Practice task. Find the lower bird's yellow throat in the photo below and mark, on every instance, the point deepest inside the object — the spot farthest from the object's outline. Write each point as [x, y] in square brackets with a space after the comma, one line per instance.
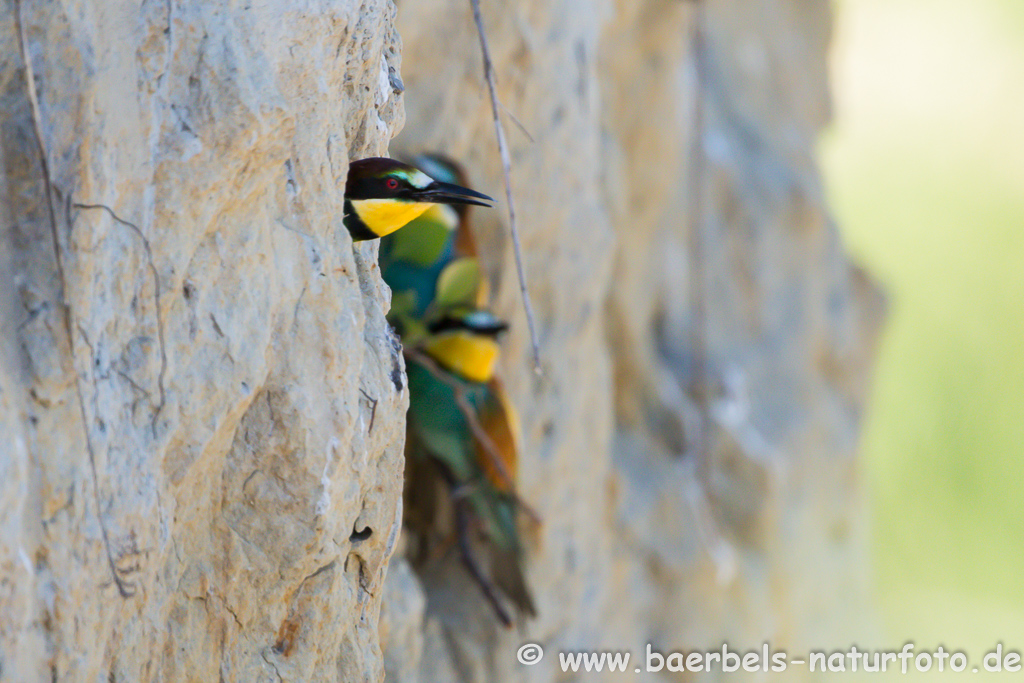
[468, 355]
[384, 216]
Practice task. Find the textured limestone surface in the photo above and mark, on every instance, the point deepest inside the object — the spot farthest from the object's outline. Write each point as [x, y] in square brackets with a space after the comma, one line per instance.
[706, 343]
[201, 405]
[202, 408]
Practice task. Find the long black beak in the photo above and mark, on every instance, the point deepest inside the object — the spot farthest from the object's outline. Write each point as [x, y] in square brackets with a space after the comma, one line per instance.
[447, 193]
[480, 322]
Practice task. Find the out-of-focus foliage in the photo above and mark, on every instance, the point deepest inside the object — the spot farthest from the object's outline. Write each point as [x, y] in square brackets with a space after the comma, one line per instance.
[925, 167]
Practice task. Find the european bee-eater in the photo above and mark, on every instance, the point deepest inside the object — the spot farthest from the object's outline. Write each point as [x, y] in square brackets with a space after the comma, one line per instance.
[446, 170]
[412, 260]
[451, 369]
[383, 195]
[438, 307]
[465, 343]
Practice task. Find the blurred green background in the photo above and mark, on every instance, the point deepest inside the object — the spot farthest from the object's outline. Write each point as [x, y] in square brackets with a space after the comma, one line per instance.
[925, 169]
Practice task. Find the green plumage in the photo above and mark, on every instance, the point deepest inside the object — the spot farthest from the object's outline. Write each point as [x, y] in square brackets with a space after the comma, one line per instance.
[439, 427]
[412, 259]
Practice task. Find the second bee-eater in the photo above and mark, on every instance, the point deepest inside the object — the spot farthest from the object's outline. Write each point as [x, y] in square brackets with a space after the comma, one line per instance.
[452, 369]
[413, 259]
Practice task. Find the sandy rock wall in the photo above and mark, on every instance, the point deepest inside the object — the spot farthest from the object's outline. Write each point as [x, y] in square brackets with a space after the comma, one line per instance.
[202, 481]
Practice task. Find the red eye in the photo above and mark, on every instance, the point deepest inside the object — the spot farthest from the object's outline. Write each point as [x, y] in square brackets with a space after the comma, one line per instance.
[392, 183]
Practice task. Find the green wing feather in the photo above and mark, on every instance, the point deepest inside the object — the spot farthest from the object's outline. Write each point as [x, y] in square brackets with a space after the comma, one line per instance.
[439, 425]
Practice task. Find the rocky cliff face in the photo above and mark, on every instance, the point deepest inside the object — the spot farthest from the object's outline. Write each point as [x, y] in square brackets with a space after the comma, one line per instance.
[202, 408]
[202, 481]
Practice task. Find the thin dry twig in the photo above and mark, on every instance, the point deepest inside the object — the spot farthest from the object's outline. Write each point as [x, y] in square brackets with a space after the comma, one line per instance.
[462, 516]
[699, 342]
[506, 165]
[479, 434]
[519, 124]
[123, 587]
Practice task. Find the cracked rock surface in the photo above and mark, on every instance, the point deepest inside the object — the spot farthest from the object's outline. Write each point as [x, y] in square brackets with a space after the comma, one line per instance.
[202, 482]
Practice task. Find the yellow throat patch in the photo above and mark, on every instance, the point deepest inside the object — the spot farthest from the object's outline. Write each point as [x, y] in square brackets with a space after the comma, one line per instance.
[384, 216]
[467, 355]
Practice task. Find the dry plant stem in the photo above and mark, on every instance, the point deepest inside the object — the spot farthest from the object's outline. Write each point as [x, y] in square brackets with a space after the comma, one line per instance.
[462, 517]
[474, 425]
[519, 124]
[699, 342]
[37, 121]
[506, 165]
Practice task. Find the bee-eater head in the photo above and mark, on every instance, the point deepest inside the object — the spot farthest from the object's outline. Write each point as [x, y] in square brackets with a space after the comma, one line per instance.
[476, 321]
[383, 195]
[440, 167]
[465, 343]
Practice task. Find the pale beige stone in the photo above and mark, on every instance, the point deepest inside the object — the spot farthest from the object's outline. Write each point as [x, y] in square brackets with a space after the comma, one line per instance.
[228, 344]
